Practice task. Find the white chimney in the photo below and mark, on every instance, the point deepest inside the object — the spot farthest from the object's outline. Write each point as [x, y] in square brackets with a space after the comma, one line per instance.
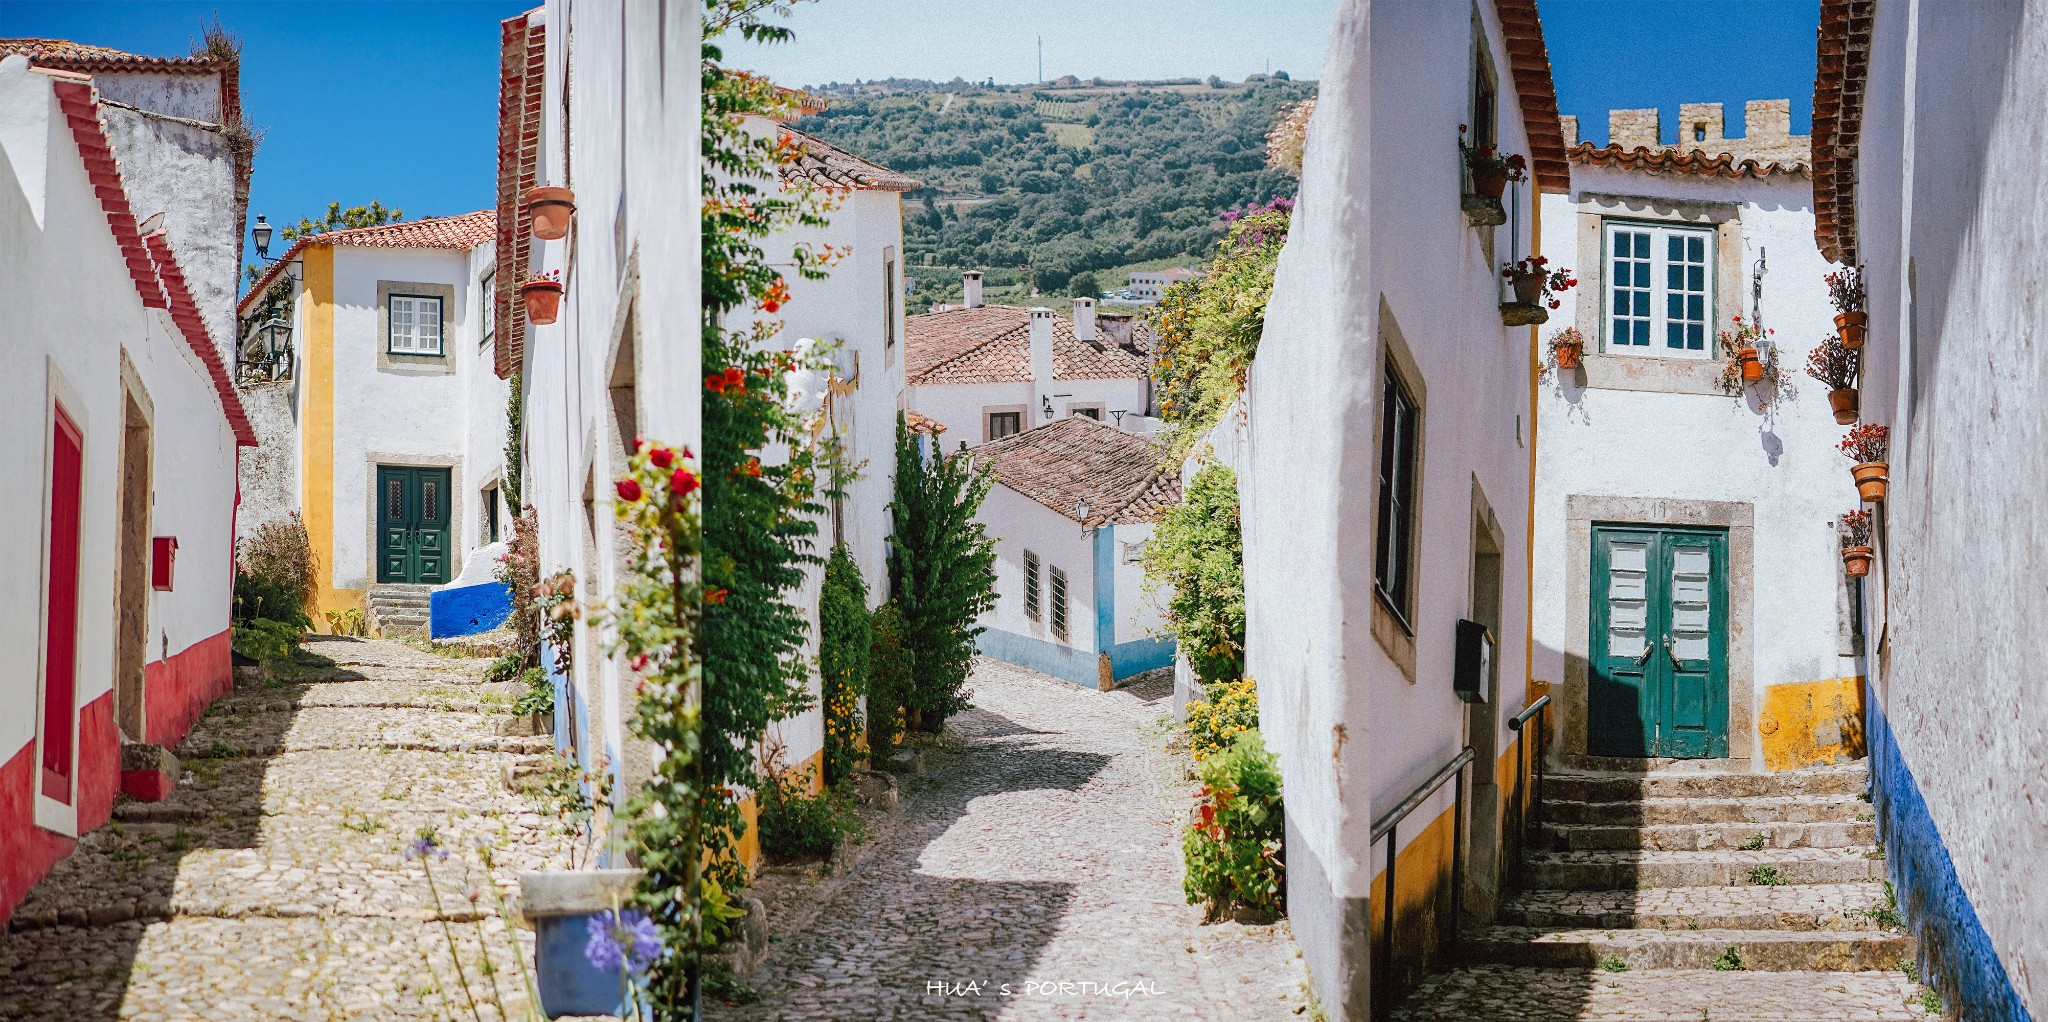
[1084, 318]
[1041, 365]
[970, 288]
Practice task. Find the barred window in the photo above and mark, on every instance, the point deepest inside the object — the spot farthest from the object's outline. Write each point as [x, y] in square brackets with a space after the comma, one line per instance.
[1059, 603]
[1031, 606]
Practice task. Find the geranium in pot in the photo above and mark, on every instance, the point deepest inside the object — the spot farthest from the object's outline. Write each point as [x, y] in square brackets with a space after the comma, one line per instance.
[1845, 289]
[1566, 346]
[543, 298]
[1536, 288]
[1866, 445]
[1856, 552]
[1835, 365]
[1490, 172]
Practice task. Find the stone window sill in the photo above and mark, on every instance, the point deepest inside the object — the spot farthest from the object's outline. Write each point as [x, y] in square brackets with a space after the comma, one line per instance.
[1652, 375]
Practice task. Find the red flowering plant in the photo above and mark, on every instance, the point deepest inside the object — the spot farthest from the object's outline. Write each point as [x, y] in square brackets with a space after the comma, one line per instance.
[1749, 343]
[1866, 443]
[1855, 529]
[1535, 282]
[1485, 161]
[1232, 845]
[1832, 364]
[1845, 289]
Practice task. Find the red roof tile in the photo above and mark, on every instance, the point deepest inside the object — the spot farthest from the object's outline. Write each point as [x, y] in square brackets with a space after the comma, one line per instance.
[822, 163]
[1529, 65]
[451, 232]
[1691, 161]
[522, 77]
[1843, 64]
[992, 344]
[1077, 458]
[921, 424]
[63, 53]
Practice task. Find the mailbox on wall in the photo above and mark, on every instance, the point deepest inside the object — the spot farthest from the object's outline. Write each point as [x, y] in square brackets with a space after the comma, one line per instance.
[1472, 676]
[162, 560]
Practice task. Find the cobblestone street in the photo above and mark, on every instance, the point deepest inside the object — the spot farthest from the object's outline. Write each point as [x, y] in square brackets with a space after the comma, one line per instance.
[271, 884]
[1040, 848]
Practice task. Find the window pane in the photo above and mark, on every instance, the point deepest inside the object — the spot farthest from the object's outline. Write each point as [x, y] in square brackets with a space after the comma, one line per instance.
[1674, 306]
[1643, 274]
[1676, 250]
[1696, 337]
[1642, 303]
[1642, 246]
[1696, 278]
[1696, 308]
[1643, 331]
[1696, 248]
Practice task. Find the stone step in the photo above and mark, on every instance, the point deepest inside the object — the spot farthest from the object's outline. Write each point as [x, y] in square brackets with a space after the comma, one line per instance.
[1619, 786]
[1702, 836]
[1497, 992]
[1760, 809]
[1755, 950]
[1802, 907]
[1621, 869]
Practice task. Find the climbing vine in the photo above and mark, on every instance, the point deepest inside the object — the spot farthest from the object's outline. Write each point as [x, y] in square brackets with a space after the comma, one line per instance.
[844, 637]
[1197, 554]
[1208, 328]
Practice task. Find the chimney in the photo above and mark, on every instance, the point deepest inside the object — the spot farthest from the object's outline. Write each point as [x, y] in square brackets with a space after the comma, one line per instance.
[1568, 126]
[1700, 126]
[970, 289]
[1766, 122]
[1084, 319]
[1115, 326]
[1634, 129]
[1041, 365]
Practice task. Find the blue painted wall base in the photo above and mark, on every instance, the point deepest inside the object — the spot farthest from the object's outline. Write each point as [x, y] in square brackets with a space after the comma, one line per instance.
[1956, 955]
[469, 610]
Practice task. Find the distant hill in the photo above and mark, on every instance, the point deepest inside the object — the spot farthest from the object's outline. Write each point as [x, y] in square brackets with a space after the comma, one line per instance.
[1054, 182]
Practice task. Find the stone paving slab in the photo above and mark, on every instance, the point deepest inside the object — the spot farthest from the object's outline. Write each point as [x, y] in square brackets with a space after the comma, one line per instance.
[1763, 809]
[1503, 994]
[1707, 836]
[1760, 950]
[1611, 786]
[346, 727]
[1800, 907]
[1652, 867]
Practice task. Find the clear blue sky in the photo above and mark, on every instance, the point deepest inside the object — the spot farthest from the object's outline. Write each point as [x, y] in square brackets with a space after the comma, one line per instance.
[398, 101]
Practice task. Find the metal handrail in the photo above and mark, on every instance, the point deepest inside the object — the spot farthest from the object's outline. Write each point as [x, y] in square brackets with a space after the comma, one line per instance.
[1388, 826]
[1532, 800]
[1515, 723]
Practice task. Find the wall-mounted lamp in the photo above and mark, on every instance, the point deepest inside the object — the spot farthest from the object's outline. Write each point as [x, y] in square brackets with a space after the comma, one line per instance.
[262, 232]
[1045, 404]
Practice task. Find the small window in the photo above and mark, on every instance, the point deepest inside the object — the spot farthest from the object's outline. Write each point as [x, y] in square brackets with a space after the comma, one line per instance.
[1091, 411]
[487, 301]
[1134, 553]
[1393, 567]
[1059, 603]
[1485, 88]
[1031, 603]
[490, 503]
[1002, 424]
[415, 325]
[889, 298]
[1660, 295]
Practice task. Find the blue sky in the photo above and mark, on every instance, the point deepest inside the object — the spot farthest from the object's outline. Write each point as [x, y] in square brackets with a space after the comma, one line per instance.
[398, 101]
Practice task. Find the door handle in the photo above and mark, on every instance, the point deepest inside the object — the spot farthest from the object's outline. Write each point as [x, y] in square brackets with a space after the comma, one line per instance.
[1671, 650]
[1644, 658]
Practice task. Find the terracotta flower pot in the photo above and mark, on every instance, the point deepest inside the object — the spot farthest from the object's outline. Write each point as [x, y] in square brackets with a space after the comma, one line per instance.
[550, 208]
[1844, 403]
[1529, 287]
[543, 300]
[1568, 356]
[1752, 367]
[1856, 561]
[1490, 183]
[1870, 480]
[1850, 326]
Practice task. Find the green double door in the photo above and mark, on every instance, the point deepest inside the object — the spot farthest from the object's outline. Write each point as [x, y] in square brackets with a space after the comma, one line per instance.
[412, 524]
[1658, 675]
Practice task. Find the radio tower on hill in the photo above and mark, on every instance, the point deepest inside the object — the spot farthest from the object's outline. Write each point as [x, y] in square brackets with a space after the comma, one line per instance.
[1041, 60]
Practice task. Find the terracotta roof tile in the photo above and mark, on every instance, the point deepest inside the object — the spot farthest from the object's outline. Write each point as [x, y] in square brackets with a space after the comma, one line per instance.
[822, 163]
[450, 232]
[522, 80]
[63, 53]
[923, 424]
[1529, 64]
[1077, 458]
[1838, 83]
[992, 344]
[1664, 160]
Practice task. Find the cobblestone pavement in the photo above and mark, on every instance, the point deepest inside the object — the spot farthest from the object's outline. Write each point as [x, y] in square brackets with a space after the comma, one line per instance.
[271, 885]
[1040, 848]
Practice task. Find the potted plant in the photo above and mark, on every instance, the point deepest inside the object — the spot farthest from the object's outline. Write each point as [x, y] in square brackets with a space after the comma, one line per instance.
[543, 298]
[1747, 358]
[1835, 365]
[1536, 288]
[1856, 551]
[1490, 172]
[1845, 288]
[550, 207]
[1866, 446]
[1566, 346]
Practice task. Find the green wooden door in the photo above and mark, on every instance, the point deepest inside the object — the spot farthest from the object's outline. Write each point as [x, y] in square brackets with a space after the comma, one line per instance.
[412, 524]
[1658, 675]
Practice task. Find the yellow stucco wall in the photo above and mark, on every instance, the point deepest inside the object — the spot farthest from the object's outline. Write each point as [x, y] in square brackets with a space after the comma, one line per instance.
[1422, 893]
[1798, 719]
[748, 848]
[316, 429]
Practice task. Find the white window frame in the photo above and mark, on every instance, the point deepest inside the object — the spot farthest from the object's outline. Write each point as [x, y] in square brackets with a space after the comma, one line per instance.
[1659, 290]
[487, 306]
[411, 341]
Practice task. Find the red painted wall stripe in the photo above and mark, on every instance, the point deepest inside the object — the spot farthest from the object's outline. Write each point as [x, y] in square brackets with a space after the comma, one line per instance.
[177, 690]
[27, 851]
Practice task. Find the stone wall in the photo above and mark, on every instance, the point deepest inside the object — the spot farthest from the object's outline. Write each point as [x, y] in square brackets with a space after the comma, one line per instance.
[270, 470]
[1767, 131]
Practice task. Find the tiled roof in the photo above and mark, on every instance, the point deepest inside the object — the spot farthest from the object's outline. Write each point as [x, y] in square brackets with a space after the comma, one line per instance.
[522, 77]
[992, 344]
[452, 232]
[152, 266]
[1077, 458]
[822, 163]
[1844, 61]
[70, 56]
[1529, 64]
[1691, 161]
[922, 424]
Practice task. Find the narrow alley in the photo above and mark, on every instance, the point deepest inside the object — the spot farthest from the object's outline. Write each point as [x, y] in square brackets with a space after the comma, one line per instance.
[1032, 868]
[276, 876]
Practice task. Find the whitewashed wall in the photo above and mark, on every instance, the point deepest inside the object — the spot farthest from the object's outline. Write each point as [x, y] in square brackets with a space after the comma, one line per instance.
[1019, 523]
[959, 406]
[1138, 616]
[484, 400]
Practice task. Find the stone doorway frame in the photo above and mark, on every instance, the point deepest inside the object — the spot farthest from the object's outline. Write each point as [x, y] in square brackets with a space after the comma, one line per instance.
[1582, 512]
[134, 508]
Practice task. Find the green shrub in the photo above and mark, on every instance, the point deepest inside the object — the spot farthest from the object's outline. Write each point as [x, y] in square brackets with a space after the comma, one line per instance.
[844, 637]
[267, 641]
[539, 696]
[942, 571]
[888, 681]
[505, 668]
[1231, 709]
[1233, 844]
[1730, 960]
[277, 566]
[797, 826]
[1198, 551]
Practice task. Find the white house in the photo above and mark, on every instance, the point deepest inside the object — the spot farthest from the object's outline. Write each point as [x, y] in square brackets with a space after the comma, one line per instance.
[1386, 474]
[399, 419]
[1148, 286]
[985, 372]
[1924, 173]
[621, 361]
[119, 513]
[1073, 503]
[1653, 478]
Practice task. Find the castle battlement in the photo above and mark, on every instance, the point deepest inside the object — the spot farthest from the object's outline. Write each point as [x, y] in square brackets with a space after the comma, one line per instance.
[1767, 135]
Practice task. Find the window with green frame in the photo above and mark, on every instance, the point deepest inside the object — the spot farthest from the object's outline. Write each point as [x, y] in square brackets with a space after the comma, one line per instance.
[1659, 290]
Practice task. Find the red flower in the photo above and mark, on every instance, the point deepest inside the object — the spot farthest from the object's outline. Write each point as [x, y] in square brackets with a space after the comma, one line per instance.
[715, 596]
[629, 490]
[715, 383]
[640, 662]
[753, 467]
[660, 456]
[682, 482]
[637, 442]
[735, 379]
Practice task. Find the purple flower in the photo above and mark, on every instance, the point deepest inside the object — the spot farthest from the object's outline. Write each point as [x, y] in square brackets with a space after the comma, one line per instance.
[625, 940]
[424, 846]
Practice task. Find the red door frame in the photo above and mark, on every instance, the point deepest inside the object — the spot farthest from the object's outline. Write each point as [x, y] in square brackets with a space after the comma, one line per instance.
[60, 649]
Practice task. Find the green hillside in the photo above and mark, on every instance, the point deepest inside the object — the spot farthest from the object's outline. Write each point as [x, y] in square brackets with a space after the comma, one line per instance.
[1051, 183]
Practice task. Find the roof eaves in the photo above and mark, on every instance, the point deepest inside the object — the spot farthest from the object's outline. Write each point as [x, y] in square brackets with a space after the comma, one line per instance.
[1843, 62]
[1529, 62]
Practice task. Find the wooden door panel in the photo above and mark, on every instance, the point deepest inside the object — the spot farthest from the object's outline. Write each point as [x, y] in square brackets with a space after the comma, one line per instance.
[60, 650]
[1657, 682]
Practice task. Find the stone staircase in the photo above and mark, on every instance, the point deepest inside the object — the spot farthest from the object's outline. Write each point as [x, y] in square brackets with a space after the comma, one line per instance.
[1641, 890]
[397, 609]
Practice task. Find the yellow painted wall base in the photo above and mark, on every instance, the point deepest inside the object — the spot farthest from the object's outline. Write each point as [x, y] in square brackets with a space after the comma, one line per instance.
[1422, 902]
[1812, 723]
[748, 848]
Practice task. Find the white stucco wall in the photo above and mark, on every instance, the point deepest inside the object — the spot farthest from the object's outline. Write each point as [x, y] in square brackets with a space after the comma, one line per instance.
[1019, 523]
[1138, 616]
[960, 406]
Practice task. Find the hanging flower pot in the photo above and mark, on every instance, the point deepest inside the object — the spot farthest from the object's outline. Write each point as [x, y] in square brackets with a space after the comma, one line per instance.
[1856, 560]
[543, 298]
[1867, 445]
[1850, 327]
[1752, 366]
[1870, 479]
[1845, 289]
[1843, 401]
[550, 208]
[1536, 285]
[1566, 346]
